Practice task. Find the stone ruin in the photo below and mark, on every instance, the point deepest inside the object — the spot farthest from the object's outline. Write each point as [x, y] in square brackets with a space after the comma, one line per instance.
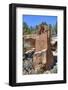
[43, 57]
[40, 43]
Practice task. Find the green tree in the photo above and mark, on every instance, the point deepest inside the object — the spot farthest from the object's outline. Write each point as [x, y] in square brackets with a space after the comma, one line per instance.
[26, 29]
[55, 28]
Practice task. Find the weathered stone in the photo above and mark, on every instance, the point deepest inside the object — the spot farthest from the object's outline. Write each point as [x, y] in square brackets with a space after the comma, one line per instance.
[41, 59]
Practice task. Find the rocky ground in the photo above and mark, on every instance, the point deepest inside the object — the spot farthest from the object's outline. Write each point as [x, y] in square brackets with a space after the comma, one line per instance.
[28, 68]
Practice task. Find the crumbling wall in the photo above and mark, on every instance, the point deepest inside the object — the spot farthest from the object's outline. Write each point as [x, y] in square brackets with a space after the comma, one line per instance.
[41, 42]
[43, 57]
[41, 46]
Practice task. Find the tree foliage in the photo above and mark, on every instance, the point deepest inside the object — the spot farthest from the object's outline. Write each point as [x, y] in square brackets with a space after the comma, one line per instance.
[26, 29]
[33, 30]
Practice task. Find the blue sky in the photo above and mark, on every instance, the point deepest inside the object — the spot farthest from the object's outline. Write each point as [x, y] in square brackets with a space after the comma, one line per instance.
[33, 20]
